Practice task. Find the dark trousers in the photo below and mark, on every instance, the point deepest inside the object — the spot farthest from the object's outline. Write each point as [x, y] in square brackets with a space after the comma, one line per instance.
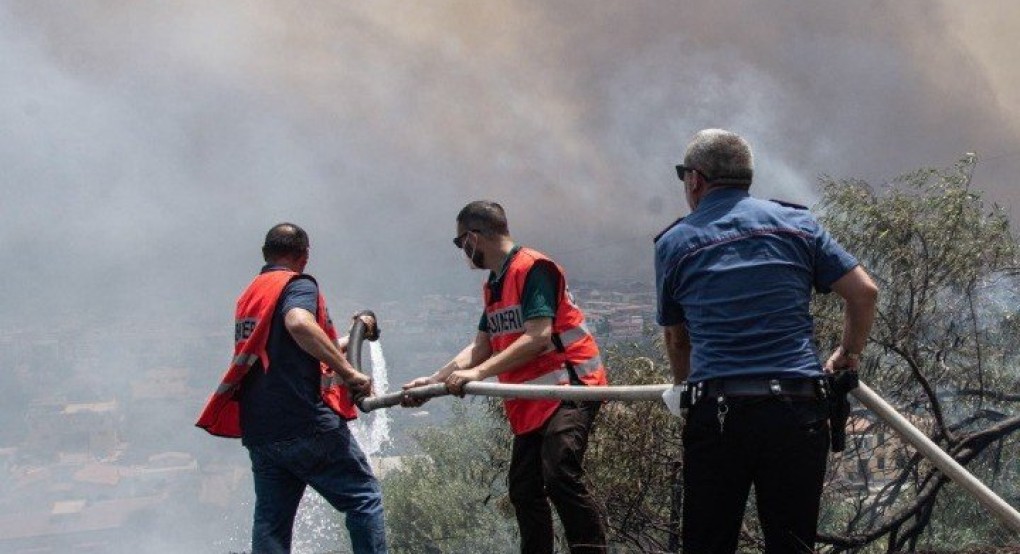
[547, 464]
[333, 464]
[778, 445]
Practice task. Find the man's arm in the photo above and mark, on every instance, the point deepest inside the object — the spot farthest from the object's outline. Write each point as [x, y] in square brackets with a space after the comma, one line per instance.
[536, 340]
[669, 313]
[861, 296]
[472, 355]
[301, 325]
[678, 350]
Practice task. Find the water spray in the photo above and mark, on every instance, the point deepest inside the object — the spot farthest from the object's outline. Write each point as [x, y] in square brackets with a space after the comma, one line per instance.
[373, 436]
[316, 527]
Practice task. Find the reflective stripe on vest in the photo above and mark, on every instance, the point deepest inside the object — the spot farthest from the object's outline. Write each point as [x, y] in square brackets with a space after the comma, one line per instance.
[561, 375]
[329, 380]
[574, 334]
[253, 316]
[245, 359]
[571, 341]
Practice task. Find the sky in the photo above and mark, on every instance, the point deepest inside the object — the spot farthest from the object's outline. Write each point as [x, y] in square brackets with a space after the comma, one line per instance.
[147, 147]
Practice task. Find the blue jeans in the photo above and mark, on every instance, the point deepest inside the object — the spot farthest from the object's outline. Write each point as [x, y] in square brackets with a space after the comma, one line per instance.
[333, 464]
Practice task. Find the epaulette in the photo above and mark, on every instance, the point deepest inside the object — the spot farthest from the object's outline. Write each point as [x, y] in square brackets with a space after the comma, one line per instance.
[788, 204]
[666, 230]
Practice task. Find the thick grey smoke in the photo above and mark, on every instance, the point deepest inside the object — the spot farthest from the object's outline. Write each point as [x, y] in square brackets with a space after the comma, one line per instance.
[147, 147]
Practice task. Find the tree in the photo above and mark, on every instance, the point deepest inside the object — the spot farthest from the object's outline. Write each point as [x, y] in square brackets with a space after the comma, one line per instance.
[633, 459]
[943, 350]
[452, 497]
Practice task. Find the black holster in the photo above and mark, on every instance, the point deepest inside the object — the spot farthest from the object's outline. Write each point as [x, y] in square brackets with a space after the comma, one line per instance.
[839, 385]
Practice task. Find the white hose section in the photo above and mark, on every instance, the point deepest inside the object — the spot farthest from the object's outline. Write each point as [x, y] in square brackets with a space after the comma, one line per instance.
[950, 467]
[532, 392]
[985, 496]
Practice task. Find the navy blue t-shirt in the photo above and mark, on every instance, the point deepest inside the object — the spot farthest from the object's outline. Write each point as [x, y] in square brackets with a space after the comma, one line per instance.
[285, 402]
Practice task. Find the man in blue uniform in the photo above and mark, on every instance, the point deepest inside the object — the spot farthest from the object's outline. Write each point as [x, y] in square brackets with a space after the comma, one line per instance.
[734, 282]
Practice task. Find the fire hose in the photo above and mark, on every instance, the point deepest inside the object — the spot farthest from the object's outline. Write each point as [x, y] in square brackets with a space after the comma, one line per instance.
[533, 392]
[952, 469]
[943, 461]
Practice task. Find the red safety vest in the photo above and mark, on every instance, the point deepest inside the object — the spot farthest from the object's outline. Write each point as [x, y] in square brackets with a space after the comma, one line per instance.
[574, 345]
[253, 318]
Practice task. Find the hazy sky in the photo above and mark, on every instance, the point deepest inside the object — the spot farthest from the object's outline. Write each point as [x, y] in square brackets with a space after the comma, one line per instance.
[147, 147]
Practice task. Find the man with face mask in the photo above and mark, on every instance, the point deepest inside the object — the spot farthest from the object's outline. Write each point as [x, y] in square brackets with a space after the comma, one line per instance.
[531, 332]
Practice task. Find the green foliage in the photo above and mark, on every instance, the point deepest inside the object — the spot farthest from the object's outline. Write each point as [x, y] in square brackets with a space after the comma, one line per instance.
[943, 263]
[943, 349]
[633, 459]
[452, 497]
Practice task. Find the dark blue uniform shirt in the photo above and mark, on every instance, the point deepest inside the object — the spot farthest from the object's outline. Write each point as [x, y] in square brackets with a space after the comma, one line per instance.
[738, 271]
[285, 402]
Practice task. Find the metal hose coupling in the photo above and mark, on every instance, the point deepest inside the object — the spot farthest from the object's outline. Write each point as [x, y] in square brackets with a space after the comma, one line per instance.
[372, 333]
[360, 332]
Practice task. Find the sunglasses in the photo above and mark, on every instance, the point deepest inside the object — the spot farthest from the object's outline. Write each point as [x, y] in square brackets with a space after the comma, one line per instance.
[681, 169]
[458, 241]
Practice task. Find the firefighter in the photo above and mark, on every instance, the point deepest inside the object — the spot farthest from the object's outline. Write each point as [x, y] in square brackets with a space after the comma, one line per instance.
[287, 396]
[532, 332]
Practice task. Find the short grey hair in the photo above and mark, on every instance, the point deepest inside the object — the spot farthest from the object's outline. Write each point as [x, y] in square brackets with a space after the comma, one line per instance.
[723, 156]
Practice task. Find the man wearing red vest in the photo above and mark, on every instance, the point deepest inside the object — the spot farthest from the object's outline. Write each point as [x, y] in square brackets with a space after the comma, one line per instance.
[531, 332]
[286, 396]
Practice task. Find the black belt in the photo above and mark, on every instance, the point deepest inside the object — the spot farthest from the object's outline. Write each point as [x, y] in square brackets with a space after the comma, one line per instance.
[802, 387]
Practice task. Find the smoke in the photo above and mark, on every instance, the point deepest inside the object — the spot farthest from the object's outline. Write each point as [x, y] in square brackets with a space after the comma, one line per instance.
[147, 147]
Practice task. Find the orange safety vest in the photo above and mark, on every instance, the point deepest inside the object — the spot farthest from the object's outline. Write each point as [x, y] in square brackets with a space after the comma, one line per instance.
[574, 347]
[252, 320]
